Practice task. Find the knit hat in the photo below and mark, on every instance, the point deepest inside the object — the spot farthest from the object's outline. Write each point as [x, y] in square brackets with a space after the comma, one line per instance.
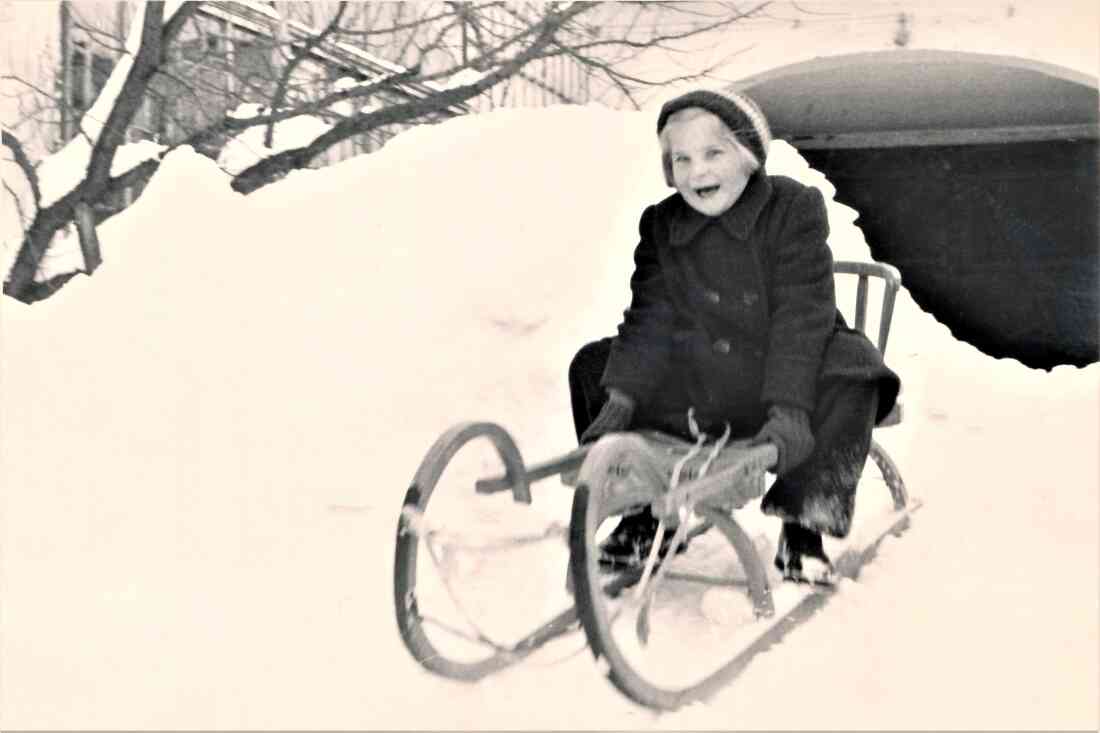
[741, 115]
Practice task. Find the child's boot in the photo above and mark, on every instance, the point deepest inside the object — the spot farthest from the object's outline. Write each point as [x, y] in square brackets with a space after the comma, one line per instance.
[629, 543]
[801, 557]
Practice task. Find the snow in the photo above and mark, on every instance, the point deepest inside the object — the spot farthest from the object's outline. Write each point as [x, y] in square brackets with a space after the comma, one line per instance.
[204, 447]
[248, 148]
[462, 78]
[206, 444]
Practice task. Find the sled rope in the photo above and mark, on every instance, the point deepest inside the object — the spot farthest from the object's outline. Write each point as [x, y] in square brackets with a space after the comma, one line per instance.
[508, 651]
[646, 590]
[719, 444]
[479, 635]
[416, 523]
[439, 543]
[655, 548]
[700, 438]
[476, 637]
[568, 655]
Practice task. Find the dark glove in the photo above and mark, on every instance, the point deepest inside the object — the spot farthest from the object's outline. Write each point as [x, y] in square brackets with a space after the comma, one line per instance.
[615, 415]
[788, 428]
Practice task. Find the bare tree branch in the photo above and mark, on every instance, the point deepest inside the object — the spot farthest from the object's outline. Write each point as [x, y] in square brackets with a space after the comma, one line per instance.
[436, 42]
[269, 168]
[661, 40]
[33, 87]
[310, 44]
[104, 39]
[395, 28]
[24, 164]
[239, 124]
[24, 219]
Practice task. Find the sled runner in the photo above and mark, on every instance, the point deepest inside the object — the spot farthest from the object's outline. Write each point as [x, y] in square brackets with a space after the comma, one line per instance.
[668, 630]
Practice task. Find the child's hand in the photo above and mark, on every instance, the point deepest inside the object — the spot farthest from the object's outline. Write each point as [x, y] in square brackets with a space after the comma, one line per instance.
[614, 416]
[788, 428]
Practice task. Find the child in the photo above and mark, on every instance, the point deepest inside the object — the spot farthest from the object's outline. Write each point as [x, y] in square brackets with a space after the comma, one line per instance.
[733, 314]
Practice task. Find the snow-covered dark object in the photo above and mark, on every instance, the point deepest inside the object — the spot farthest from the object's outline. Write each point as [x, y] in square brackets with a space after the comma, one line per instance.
[975, 175]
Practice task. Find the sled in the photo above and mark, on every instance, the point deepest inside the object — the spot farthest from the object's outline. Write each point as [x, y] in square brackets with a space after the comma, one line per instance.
[667, 631]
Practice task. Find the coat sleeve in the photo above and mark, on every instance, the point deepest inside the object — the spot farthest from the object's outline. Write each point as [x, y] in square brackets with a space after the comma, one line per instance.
[640, 352]
[802, 300]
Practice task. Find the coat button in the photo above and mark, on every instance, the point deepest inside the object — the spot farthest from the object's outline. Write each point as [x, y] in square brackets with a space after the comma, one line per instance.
[712, 296]
[722, 346]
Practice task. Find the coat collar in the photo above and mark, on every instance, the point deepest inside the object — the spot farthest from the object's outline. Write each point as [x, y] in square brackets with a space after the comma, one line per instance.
[738, 220]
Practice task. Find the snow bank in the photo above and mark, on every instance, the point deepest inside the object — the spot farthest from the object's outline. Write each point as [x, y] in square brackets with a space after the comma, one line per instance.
[205, 445]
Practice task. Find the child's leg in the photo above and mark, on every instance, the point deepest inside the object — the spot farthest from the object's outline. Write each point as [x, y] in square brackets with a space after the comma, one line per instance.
[632, 538]
[820, 493]
[585, 392]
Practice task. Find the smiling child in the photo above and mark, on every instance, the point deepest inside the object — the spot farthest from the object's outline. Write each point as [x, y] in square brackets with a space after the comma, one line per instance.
[733, 315]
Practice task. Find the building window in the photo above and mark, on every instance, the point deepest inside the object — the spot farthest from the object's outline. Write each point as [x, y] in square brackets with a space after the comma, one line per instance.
[87, 79]
[77, 98]
[252, 59]
[101, 71]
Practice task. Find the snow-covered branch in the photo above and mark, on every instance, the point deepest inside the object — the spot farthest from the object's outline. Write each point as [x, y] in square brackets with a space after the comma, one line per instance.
[85, 170]
[544, 34]
[262, 99]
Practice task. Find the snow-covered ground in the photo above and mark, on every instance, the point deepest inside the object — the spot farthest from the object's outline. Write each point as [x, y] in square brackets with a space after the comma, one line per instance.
[205, 447]
[203, 450]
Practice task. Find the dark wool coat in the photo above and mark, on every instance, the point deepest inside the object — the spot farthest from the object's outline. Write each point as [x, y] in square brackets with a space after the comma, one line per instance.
[731, 314]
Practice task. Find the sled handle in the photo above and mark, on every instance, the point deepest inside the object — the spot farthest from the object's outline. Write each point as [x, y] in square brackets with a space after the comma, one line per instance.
[566, 462]
[891, 279]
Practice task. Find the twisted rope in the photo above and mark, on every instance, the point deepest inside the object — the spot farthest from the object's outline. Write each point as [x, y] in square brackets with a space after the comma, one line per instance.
[646, 590]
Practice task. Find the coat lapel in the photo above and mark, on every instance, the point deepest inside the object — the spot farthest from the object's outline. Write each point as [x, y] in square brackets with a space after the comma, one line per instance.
[686, 223]
[740, 218]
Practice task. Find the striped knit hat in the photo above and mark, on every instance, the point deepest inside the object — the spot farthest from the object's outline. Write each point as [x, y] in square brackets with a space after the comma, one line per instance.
[741, 115]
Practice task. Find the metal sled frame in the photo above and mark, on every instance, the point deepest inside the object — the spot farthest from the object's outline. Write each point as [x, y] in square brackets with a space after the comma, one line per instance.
[598, 474]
